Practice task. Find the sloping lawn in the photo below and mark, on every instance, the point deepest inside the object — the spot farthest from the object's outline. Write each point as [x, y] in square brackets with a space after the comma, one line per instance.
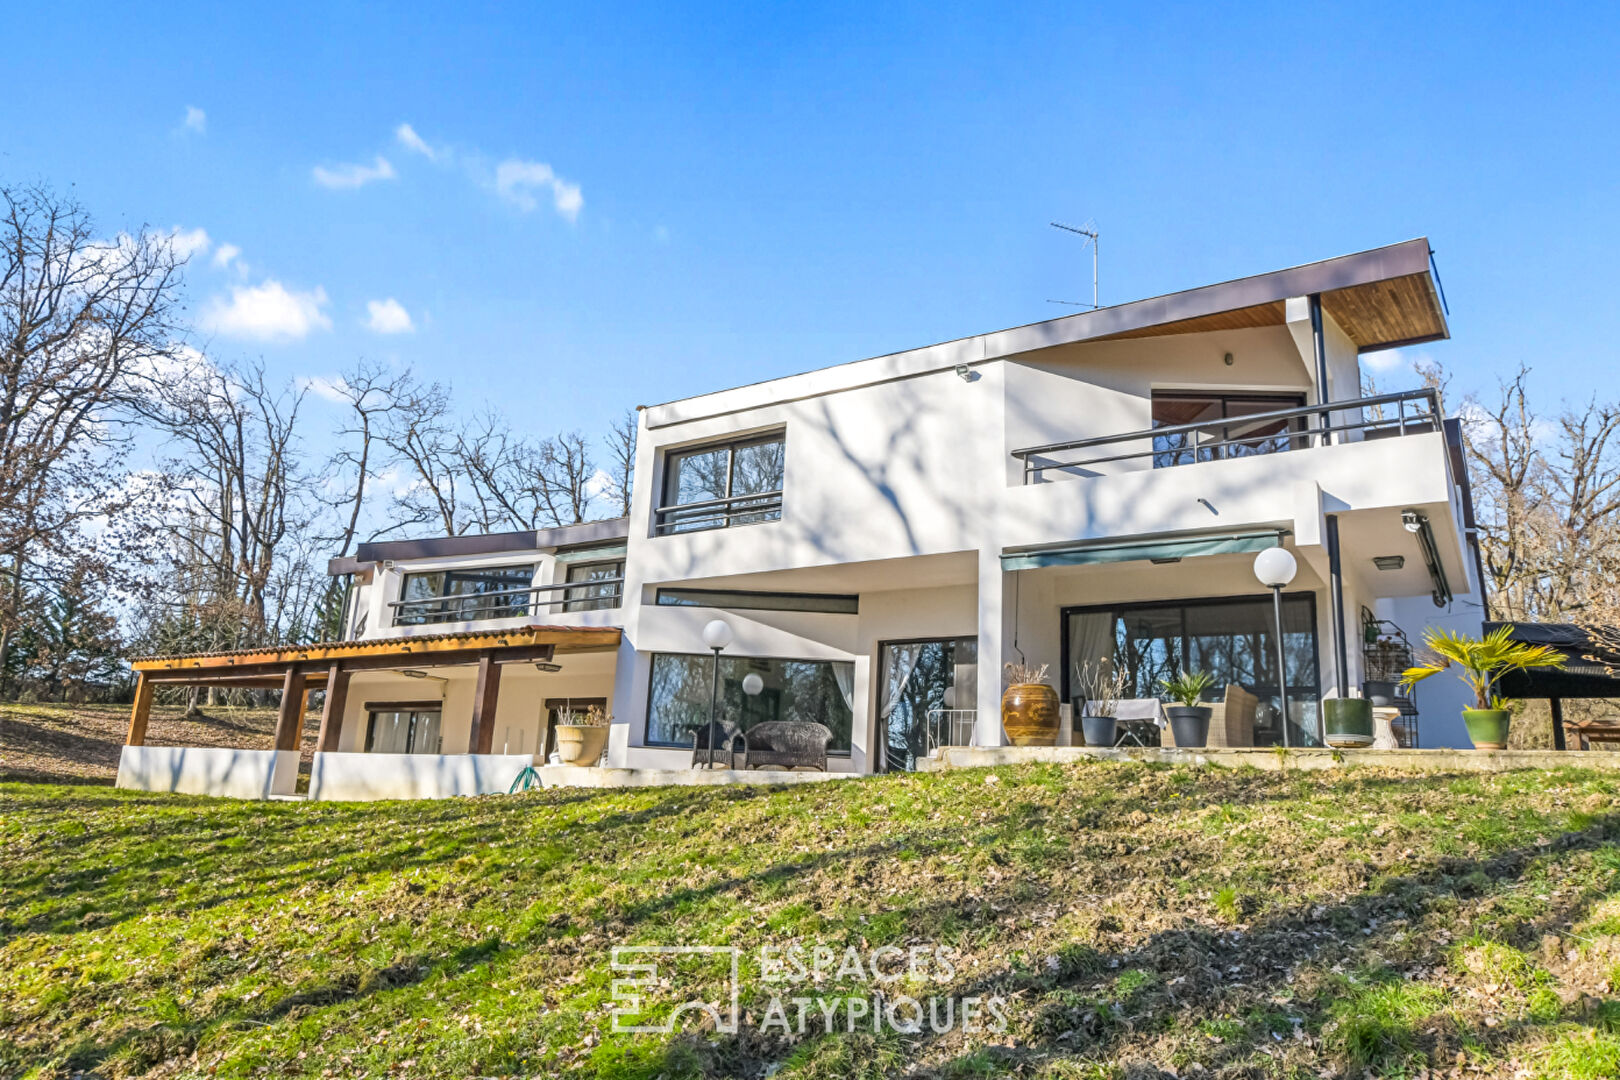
[1133, 920]
[80, 744]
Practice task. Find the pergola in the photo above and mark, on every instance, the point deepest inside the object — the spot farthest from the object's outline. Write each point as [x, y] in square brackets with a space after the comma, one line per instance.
[296, 670]
[1591, 670]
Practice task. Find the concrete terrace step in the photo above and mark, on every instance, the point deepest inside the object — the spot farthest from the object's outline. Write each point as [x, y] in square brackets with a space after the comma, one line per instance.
[1275, 759]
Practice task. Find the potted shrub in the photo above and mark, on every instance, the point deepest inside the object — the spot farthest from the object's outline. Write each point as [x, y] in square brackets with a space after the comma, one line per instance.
[1029, 707]
[1102, 685]
[1189, 720]
[1347, 723]
[582, 736]
[1483, 661]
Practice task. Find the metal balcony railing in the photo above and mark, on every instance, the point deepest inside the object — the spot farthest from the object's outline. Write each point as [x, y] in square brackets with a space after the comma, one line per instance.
[718, 513]
[1382, 416]
[510, 603]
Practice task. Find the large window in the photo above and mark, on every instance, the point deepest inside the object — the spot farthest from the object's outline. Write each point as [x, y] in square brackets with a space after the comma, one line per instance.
[404, 728]
[1234, 640]
[811, 690]
[927, 697]
[712, 487]
[491, 592]
[1223, 431]
[600, 585]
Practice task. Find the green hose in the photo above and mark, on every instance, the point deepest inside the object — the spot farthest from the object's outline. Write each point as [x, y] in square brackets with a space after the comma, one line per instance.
[528, 778]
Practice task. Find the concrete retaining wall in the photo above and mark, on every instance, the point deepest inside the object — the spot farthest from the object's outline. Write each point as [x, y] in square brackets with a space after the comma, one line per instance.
[197, 770]
[364, 777]
[970, 757]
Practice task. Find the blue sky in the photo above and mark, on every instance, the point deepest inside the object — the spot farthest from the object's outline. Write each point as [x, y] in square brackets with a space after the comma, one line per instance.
[620, 205]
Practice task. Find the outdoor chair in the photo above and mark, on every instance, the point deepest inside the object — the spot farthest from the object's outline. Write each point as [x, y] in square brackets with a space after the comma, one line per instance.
[1138, 719]
[726, 752]
[1231, 720]
[787, 743]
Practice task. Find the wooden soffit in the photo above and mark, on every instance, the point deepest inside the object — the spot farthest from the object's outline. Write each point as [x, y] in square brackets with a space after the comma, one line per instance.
[517, 643]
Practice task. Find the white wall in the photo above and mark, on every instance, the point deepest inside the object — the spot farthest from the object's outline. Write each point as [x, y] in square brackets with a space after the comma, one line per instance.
[193, 770]
[364, 777]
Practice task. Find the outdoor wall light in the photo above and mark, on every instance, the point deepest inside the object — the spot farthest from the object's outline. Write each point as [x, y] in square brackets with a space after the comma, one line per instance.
[1411, 520]
[542, 665]
[411, 673]
[753, 684]
[963, 371]
[1275, 567]
[1389, 562]
[1227, 359]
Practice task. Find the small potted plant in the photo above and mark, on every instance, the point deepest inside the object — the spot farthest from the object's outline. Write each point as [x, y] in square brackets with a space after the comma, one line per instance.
[1189, 720]
[1029, 707]
[1483, 661]
[582, 736]
[1102, 685]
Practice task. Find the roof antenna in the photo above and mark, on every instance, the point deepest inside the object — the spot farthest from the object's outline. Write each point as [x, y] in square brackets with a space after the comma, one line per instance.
[1089, 231]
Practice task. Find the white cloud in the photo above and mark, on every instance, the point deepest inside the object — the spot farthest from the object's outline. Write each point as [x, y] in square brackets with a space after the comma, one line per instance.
[268, 312]
[388, 317]
[410, 140]
[1387, 360]
[188, 242]
[343, 177]
[196, 120]
[225, 254]
[517, 181]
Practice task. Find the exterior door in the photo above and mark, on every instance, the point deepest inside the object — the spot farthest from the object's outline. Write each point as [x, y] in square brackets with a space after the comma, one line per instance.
[926, 695]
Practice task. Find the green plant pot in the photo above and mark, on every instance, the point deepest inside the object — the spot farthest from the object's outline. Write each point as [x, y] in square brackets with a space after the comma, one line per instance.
[1348, 722]
[1487, 727]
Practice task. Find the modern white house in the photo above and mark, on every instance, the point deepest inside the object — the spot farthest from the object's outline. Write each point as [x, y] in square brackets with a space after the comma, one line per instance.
[882, 536]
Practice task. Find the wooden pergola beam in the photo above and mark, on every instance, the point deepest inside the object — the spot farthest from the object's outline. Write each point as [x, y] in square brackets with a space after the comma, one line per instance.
[242, 674]
[140, 712]
[290, 720]
[337, 699]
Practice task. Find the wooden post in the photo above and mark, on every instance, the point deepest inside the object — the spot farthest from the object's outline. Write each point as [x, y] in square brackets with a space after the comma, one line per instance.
[337, 699]
[290, 723]
[141, 711]
[486, 692]
[1557, 705]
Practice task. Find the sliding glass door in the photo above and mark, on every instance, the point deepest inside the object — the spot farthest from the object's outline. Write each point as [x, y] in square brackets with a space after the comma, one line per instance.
[1234, 640]
[927, 691]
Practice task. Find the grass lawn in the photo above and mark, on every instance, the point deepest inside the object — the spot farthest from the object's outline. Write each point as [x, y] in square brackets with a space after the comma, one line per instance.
[1134, 919]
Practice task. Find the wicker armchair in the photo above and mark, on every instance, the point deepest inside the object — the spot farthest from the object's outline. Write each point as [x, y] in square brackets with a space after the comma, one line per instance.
[725, 744]
[787, 743]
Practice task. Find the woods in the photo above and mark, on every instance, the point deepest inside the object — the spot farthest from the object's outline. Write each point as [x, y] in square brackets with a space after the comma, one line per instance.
[157, 498]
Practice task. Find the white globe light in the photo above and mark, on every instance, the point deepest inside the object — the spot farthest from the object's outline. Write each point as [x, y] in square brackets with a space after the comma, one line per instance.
[717, 635]
[753, 684]
[1275, 567]
[950, 697]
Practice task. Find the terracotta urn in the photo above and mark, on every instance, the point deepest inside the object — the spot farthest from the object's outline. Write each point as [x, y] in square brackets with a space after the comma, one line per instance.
[1029, 714]
[581, 744]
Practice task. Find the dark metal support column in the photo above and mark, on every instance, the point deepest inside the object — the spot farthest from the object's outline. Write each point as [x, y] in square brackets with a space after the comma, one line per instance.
[1341, 658]
[1319, 342]
[1558, 723]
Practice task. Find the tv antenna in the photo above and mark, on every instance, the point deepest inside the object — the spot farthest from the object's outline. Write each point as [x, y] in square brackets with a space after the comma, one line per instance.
[1089, 231]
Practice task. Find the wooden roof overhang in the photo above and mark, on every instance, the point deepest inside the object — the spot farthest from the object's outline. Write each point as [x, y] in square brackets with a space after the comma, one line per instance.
[267, 667]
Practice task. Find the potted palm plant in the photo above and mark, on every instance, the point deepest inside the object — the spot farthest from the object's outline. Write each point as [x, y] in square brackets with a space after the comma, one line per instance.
[1189, 720]
[1483, 662]
[581, 736]
[1029, 707]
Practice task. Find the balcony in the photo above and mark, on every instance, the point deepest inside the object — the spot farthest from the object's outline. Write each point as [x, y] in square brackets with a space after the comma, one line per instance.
[1362, 419]
[562, 596]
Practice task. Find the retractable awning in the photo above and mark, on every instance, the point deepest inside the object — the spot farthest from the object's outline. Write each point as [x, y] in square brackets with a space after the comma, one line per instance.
[1157, 549]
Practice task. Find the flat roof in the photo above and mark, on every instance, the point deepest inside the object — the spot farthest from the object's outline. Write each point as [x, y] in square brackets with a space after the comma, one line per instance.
[1382, 298]
[441, 547]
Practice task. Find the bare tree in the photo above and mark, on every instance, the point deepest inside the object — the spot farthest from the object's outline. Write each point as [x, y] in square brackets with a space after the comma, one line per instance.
[78, 316]
[621, 447]
[375, 395]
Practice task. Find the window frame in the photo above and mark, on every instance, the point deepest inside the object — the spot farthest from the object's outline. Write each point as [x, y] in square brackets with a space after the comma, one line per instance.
[522, 608]
[1283, 399]
[605, 602]
[647, 710]
[720, 510]
[831, 603]
[411, 708]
